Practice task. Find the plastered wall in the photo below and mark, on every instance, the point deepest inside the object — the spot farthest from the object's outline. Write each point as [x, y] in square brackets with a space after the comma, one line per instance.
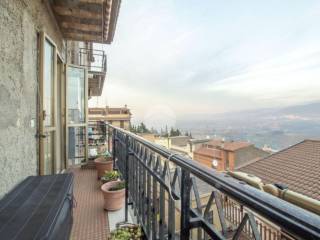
[20, 23]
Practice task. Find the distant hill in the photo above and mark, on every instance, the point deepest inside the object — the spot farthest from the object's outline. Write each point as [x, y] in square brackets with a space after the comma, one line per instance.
[304, 112]
[277, 127]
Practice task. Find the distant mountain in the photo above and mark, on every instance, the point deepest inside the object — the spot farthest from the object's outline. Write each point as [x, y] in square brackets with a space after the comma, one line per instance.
[276, 127]
[301, 112]
[311, 110]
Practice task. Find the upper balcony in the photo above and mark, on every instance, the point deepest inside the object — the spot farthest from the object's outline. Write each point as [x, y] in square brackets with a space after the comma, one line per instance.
[94, 60]
[96, 63]
[86, 20]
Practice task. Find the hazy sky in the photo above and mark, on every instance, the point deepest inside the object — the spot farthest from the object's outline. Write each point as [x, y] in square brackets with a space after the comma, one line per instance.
[209, 56]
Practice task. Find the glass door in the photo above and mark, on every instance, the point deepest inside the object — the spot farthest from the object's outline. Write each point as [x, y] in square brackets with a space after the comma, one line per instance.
[60, 163]
[47, 106]
[76, 115]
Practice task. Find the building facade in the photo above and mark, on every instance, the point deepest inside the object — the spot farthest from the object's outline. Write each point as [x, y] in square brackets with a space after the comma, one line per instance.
[117, 116]
[44, 87]
[224, 156]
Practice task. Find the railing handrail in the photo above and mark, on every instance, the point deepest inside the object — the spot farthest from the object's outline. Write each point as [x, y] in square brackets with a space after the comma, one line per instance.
[102, 66]
[291, 218]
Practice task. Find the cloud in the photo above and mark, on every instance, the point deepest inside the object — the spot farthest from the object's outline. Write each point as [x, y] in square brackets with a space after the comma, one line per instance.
[213, 57]
[292, 78]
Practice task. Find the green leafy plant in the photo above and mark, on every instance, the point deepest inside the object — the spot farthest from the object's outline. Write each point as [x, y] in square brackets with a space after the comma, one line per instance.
[110, 176]
[106, 156]
[118, 186]
[127, 232]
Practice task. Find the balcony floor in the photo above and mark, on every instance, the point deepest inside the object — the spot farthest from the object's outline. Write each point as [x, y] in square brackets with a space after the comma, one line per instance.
[89, 219]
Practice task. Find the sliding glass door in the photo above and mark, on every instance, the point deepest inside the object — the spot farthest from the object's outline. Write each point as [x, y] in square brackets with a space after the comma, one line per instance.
[77, 115]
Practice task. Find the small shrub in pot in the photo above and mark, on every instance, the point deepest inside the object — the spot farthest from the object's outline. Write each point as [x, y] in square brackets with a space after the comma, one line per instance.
[127, 231]
[114, 195]
[110, 176]
[103, 163]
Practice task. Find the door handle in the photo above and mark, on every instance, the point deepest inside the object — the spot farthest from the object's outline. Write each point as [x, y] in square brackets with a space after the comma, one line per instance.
[44, 114]
[44, 135]
[39, 135]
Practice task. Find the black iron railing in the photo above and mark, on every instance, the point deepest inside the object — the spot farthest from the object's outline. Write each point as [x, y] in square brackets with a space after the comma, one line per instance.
[94, 60]
[163, 190]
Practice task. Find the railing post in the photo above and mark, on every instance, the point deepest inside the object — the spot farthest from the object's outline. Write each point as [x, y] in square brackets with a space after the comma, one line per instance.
[114, 147]
[185, 204]
[126, 178]
[109, 138]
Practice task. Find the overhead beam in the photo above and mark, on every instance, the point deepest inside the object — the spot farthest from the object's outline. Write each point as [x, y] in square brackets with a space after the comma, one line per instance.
[92, 1]
[84, 37]
[74, 19]
[78, 31]
[80, 13]
[82, 27]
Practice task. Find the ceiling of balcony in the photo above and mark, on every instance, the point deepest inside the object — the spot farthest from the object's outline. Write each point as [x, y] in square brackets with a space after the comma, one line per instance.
[87, 20]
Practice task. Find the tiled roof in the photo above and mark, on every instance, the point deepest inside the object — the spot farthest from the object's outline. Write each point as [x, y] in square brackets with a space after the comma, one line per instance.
[298, 167]
[210, 152]
[229, 145]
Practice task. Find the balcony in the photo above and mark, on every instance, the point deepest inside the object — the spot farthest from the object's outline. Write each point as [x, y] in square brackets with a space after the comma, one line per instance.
[176, 198]
[96, 63]
[88, 21]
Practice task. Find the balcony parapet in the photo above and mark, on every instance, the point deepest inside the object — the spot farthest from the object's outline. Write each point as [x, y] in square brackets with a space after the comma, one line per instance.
[161, 186]
[95, 60]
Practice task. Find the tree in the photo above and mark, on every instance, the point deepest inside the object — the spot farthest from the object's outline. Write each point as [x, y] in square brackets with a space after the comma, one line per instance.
[141, 128]
[175, 132]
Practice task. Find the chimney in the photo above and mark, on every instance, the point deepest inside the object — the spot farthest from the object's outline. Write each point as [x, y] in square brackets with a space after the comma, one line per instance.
[222, 142]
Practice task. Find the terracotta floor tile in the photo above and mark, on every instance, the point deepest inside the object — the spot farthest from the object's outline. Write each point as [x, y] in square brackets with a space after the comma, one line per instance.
[89, 218]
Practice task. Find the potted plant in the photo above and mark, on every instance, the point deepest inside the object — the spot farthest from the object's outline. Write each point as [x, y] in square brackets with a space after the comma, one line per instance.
[103, 163]
[113, 194]
[110, 176]
[127, 231]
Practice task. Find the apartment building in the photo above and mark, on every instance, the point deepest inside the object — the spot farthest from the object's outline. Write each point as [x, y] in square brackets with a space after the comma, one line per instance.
[117, 116]
[227, 155]
[47, 75]
[46, 79]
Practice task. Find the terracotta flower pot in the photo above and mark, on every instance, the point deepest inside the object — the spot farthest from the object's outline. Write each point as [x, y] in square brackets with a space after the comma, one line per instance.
[102, 165]
[113, 200]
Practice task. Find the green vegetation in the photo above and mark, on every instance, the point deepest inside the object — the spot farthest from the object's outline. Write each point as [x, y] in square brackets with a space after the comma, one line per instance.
[110, 176]
[119, 186]
[127, 232]
[107, 154]
[141, 128]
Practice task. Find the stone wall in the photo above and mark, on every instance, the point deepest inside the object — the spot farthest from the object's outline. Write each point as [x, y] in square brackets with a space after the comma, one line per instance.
[20, 23]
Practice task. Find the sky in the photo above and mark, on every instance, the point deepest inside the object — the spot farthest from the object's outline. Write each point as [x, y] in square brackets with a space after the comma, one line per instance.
[170, 58]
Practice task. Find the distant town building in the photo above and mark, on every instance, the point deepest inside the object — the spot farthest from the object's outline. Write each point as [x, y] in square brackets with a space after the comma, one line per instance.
[148, 136]
[183, 145]
[117, 116]
[297, 167]
[227, 155]
[179, 140]
[176, 141]
[194, 144]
